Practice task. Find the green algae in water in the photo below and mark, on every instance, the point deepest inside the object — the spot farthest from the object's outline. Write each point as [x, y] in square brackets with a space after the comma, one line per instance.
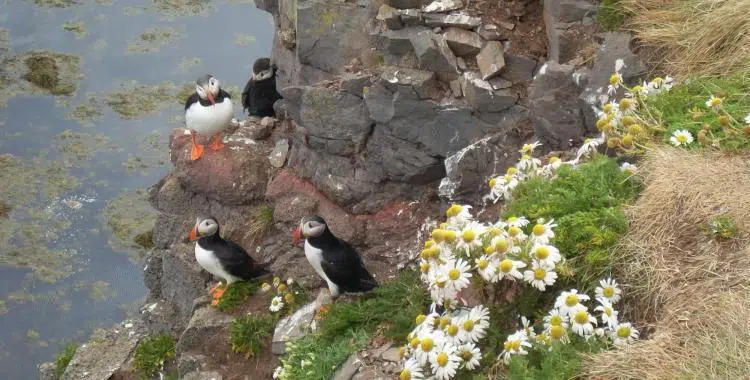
[243, 39]
[77, 148]
[55, 3]
[129, 216]
[3, 308]
[173, 8]
[87, 113]
[77, 28]
[101, 291]
[100, 44]
[151, 151]
[134, 101]
[39, 72]
[32, 336]
[153, 39]
[188, 63]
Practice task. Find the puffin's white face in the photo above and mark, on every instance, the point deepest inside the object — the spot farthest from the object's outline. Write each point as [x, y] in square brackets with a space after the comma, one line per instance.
[208, 88]
[204, 227]
[312, 228]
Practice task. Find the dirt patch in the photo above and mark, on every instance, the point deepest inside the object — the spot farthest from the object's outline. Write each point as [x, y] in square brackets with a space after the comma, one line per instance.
[519, 21]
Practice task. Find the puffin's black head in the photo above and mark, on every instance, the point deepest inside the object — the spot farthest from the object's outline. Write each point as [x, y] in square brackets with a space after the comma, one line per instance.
[310, 226]
[262, 69]
[204, 226]
[207, 87]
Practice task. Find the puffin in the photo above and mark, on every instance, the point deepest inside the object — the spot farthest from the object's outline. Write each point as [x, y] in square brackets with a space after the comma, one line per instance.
[260, 92]
[222, 258]
[335, 261]
[208, 111]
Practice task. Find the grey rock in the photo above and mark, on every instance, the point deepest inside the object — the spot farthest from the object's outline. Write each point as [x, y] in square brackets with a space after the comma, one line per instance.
[212, 375]
[518, 69]
[424, 83]
[188, 363]
[258, 131]
[498, 83]
[390, 16]
[437, 30]
[570, 10]
[347, 370]
[433, 53]
[206, 323]
[481, 96]
[372, 374]
[461, 62]
[405, 4]
[183, 280]
[397, 160]
[106, 353]
[463, 42]
[411, 17]
[398, 42]
[152, 272]
[443, 6]
[354, 83]
[279, 154]
[459, 20]
[267, 122]
[297, 325]
[491, 59]
[553, 99]
[615, 47]
[160, 316]
[391, 355]
[456, 88]
[379, 101]
[507, 25]
[47, 371]
[489, 32]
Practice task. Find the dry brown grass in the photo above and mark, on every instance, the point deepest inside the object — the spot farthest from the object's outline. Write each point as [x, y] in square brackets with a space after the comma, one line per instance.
[694, 37]
[685, 288]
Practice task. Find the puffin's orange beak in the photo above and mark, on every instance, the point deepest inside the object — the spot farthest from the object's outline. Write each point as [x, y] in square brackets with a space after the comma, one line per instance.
[194, 234]
[297, 235]
[210, 97]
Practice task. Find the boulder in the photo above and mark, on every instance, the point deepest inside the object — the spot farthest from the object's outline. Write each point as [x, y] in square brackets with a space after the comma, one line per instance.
[433, 53]
[462, 41]
[396, 160]
[354, 83]
[390, 16]
[161, 316]
[614, 53]
[570, 11]
[498, 83]
[490, 32]
[105, 353]
[491, 59]
[405, 4]
[438, 6]
[348, 369]
[297, 325]
[278, 155]
[47, 371]
[553, 98]
[379, 102]
[411, 17]
[518, 68]
[458, 20]
[206, 324]
[182, 280]
[456, 88]
[480, 95]
[189, 363]
[423, 83]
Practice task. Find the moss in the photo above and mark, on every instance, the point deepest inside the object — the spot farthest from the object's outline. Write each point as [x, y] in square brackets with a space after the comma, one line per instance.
[77, 28]
[152, 353]
[39, 72]
[42, 72]
[145, 239]
[63, 358]
[248, 334]
[611, 16]
[235, 294]
[243, 39]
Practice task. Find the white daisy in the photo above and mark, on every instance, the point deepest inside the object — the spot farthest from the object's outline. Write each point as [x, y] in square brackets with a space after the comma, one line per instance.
[629, 168]
[614, 83]
[555, 318]
[542, 232]
[747, 119]
[569, 301]
[520, 221]
[473, 326]
[581, 322]
[589, 147]
[681, 137]
[439, 288]
[470, 355]
[453, 331]
[527, 328]
[412, 370]
[427, 343]
[458, 215]
[458, 273]
[714, 103]
[558, 333]
[545, 253]
[624, 333]
[510, 269]
[529, 148]
[609, 290]
[487, 267]
[470, 237]
[540, 275]
[609, 314]
[444, 361]
[502, 187]
[504, 244]
[425, 323]
[278, 372]
[515, 344]
[527, 163]
[276, 304]
[552, 166]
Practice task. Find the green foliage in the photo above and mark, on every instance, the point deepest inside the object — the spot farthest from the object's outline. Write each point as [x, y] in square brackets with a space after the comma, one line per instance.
[63, 359]
[347, 327]
[722, 227]
[561, 363]
[249, 333]
[684, 107]
[151, 354]
[611, 16]
[236, 293]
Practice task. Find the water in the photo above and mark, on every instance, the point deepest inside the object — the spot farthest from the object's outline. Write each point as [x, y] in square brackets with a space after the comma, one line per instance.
[71, 179]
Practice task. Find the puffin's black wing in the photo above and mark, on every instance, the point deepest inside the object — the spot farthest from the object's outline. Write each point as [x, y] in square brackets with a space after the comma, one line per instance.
[192, 99]
[246, 95]
[343, 265]
[237, 261]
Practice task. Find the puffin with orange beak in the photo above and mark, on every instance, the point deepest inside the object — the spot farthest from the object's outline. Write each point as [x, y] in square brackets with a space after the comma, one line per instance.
[222, 258]
[335, 261]
[208, 111]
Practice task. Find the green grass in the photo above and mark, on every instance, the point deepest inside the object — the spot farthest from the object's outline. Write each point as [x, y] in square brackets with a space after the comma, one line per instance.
[235, 294]
[63, 358]
[562, 363]
[610, 15]
[722, 227]
[348, 327]
[151, 354]
[250, 333]
[684, 107]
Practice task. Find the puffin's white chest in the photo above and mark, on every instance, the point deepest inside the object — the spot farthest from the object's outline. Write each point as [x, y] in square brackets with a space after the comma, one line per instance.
[211, 119]
[209, 262]
[315, 257]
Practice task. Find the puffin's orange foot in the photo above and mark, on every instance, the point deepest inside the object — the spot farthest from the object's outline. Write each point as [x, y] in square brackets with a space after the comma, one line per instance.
[216, 294]
[196, 152]
[321, 312]
[217, 145]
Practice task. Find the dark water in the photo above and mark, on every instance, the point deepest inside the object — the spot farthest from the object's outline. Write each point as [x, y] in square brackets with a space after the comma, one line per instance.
[63, 272]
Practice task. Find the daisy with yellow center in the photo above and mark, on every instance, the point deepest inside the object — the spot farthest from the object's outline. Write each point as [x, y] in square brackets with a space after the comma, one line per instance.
[458, 215]
[412, 371]
[513, 221]
[540, 275]
[487, 267]
[569, 301]
[589, 147]
[681, 137]
[458, 273]
[444, 361]
[502, 187]
[553, 164]
[439, 287]
[528, 164]
[527, 328]
[427, 342]
[546, 253]
[608, 313]
[542, 232]
[453, 333]
[558, 333]
[615, 80]
[504, 244]
[515, 344]
[470, 237]
[529, 148]
[628, 168]
[470, 355]
[276, 304]
[609, 290]
[582, 322]
[714, 103]
[473, 327]
[510, 269]
[555, 318]
[624, 333]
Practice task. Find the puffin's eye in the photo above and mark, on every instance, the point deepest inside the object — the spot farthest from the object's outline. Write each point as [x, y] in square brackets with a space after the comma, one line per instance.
[213, 82]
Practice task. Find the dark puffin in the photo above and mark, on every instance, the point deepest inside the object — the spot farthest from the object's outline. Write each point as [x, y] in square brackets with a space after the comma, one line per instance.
[222, 258]
[208, 112]
[337, 262]
[260, 92]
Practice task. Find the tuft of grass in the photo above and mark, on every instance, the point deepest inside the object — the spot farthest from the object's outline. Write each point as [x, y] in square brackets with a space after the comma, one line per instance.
[151, 354]
[250, 333]
[611, 15]
[347, 327]
[722, 227]
[694, 37]
[262, 221]
[63, 358]
[235, 294]
[563, 362]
